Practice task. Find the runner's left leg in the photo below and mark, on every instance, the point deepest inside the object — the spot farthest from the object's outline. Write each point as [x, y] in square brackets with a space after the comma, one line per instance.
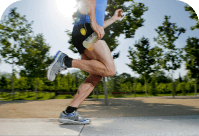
[85, 88]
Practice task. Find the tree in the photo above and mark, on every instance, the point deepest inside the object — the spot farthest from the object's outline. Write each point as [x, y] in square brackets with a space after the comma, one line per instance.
[166, 38]
[21, 84]
[185, 78]
[191, 58]
[181, 87]
[139, 87]
[142, 60]
[180, 79]
[130, 23]
[35, 58]
[161, 77]
[189, 86]
[12, 29]
[153, 90]
[3, 82]
[192, 16]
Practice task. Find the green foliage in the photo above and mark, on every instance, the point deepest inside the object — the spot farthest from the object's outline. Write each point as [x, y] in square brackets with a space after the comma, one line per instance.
[189, 86]
[192, 16]
[3, 82]
[181, 87]
[37, 82]
[143, 60]
[22, 84]
[191, 56]
[67, 83]
[180, 78]
[167, 35]
[170, 87]
[12, 30]
[35, 57]
[116, 83]
[9, 86]
[21, 48]
[152, 89]
[139, 88]
[126, 87]
[162, 88]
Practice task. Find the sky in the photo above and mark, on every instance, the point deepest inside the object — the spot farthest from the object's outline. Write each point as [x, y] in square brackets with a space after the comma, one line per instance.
[53, 17]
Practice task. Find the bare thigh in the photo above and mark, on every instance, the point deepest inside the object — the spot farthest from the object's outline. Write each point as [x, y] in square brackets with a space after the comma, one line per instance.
[102, 53]
[93, 79]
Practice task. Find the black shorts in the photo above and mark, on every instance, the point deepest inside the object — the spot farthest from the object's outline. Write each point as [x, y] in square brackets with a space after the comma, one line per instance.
[79, 34]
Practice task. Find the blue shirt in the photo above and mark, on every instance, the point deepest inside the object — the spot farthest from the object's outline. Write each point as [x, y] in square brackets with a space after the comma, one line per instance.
[99, 12]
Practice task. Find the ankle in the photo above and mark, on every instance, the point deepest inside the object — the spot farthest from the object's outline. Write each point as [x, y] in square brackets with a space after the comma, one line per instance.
[68, 61]
[70, 109]
[74, 63]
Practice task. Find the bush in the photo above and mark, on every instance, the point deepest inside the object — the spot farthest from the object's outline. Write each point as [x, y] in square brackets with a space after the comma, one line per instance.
[139, 88]
[181, 88]
[189, 86]
[152, 87]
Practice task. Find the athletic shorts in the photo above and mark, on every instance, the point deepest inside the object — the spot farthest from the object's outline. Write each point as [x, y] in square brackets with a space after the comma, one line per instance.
[79, 34]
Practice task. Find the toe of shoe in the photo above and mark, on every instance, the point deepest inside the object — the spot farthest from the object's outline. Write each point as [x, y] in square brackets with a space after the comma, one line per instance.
[88, 121]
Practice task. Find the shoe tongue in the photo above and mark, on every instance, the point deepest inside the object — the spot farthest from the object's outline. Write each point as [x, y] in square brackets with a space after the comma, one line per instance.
[64, 112]
[63, 66]
[68, 113]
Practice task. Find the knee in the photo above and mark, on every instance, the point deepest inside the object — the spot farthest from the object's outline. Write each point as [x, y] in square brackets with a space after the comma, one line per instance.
[113, 73]
[110, 72]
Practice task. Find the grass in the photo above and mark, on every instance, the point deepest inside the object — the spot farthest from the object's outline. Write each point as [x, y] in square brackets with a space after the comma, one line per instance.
[48, 95]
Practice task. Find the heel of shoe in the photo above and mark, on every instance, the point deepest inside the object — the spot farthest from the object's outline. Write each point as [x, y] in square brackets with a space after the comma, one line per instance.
[57, 54]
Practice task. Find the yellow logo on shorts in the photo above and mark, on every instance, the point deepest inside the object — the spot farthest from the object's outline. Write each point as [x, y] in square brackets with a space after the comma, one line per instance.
[83, 31]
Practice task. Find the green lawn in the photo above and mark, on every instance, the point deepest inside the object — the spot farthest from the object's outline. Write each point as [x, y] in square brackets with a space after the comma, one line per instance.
[48, 95]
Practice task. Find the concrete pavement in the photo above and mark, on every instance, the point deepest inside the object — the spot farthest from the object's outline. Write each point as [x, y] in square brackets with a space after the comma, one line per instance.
[127, 126]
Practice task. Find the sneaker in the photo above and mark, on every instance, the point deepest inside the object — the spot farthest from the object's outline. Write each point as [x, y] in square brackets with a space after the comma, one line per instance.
[73, 117]
[56, 67]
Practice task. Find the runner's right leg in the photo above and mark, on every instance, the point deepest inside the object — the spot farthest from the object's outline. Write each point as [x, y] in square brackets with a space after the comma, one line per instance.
[101, 62]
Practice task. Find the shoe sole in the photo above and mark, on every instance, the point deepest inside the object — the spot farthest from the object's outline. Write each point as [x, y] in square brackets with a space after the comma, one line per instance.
[51, 65]
[72, 121]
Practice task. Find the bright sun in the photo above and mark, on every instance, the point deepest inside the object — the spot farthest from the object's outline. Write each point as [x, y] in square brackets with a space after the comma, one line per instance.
[66, 7]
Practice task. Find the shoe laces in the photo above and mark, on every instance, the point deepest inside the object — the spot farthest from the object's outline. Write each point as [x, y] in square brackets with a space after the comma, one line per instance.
[60, 69]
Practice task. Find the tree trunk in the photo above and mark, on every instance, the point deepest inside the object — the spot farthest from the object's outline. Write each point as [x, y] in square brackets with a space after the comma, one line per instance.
[97, 91]
[196, 87]
[105, 91]
[173, 86]
[94, 93]
[135, 85]
[12, 81]
[36, 91]
[145, 85]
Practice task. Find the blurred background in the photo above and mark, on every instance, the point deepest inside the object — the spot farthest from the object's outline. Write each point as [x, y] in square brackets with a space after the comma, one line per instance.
[155, 47]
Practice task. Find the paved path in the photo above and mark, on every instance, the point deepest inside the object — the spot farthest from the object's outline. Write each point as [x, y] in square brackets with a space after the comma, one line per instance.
[123, 126]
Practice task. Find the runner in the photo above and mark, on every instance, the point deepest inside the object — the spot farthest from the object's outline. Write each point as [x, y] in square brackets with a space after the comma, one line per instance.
[98, 62]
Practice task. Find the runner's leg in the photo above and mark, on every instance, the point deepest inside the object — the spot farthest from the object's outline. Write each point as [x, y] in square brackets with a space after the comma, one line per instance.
[101, 62]
[85, 88]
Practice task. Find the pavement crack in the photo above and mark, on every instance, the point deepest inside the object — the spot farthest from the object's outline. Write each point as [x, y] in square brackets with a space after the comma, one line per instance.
[81, 130]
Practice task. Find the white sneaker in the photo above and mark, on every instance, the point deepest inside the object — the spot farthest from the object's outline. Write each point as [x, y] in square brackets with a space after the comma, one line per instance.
[56, 67]
[73, 117]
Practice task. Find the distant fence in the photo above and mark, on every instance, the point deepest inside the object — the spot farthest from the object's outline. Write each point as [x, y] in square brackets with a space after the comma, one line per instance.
[55, 91]
[121, 93]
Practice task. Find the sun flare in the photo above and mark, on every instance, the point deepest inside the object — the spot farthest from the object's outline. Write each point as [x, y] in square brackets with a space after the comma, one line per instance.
[66, 7]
